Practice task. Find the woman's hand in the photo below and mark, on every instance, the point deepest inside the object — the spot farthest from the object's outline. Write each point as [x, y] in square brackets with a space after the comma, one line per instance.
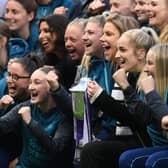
[25, 112]
[92, 88]
[120, 78]
[52, 79]
[147, 84]
[164, 123]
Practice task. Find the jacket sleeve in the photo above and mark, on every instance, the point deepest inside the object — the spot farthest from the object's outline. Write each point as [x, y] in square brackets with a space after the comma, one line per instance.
[138, 108]
[64, 99]
[10, 121]
[133, 112]
[60, 142]
[159, 108]
[113, 108]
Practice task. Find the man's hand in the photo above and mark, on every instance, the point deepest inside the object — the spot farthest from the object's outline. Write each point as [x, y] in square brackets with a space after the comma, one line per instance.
[5, 101]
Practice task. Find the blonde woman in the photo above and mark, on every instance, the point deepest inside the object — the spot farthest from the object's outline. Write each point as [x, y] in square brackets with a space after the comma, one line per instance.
[158, 13]
[154, 87]
[132, 47]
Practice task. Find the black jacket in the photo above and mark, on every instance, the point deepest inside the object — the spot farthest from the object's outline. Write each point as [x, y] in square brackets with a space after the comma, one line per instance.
[121, 113]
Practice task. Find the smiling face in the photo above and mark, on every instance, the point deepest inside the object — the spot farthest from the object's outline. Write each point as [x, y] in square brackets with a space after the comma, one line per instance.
[91, 38]
[123, 7]
[17, 88]
[17, 17]
[39, 88]
[127, 55]
[141, 10]
[158, 13]
[150, 65]
[47, 38]
[73, 41]
[109, 40]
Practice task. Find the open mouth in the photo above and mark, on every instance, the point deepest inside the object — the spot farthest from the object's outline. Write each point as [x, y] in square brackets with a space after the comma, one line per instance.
[34, 95]
[71, 51]
[11, 90]
[106, 47]
[87, 44]
[45, 44]
[151, 15]
[120, 61]
[140, 14]
[12, 25]
[107, 50]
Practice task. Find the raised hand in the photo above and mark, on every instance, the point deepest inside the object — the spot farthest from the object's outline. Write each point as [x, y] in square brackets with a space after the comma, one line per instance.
[60, 10]
[92, 88]
[25, 112]
[164, 123]
[96, 6]
[5, 101]
[147, 84]
[52, 79]
[120, 78]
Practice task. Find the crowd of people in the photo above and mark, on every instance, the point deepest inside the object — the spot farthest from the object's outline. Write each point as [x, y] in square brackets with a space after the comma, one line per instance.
[114, 53]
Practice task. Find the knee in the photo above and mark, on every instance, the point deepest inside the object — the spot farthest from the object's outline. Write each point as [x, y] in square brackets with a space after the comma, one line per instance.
[157, 160]
[132, 158]
[125, 159]
[86, 150]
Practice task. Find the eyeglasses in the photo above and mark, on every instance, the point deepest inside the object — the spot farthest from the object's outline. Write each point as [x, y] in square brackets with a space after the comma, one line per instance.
[16, 77]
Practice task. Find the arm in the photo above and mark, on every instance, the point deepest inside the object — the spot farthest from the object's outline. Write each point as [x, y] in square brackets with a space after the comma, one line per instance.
[62, 139]
[60, 95]
[10, 121]
[63, 98]
[137, 108]
[159, 108]
[154, 100]
[53, 144]
[122, 112]
[5, 101]
[112, 107]
[101, 100]
[155, 108]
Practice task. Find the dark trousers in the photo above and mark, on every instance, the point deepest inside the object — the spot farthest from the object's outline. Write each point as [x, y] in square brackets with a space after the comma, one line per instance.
[105, 154]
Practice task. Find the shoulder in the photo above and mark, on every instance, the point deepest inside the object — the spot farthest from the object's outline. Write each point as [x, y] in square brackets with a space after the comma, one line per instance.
[17, 47]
